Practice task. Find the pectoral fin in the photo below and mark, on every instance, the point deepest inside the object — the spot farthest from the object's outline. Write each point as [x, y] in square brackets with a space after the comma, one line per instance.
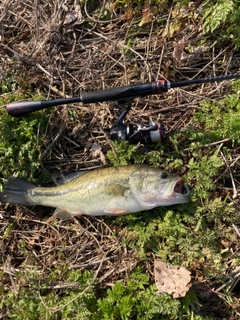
[116, 190]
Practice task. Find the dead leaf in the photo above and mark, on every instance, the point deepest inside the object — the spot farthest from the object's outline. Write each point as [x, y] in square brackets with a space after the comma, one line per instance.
[178, 50]
[174, 280]
[69, 18]
[97, 152]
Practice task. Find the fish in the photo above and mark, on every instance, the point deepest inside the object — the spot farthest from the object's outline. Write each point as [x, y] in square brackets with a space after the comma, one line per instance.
[110, 191]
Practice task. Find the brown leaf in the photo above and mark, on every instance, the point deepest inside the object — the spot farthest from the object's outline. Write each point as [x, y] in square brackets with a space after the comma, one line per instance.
[178, 50]
[97, 153]
[174, 280]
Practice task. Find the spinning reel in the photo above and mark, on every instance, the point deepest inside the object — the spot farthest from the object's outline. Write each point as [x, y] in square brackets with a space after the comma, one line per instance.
[135, 132]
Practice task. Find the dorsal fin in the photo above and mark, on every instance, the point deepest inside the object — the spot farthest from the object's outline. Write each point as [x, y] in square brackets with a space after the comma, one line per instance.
[62, 178]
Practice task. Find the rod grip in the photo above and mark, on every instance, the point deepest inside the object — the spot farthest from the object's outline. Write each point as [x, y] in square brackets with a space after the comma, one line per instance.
[124, 92]
[20, 108]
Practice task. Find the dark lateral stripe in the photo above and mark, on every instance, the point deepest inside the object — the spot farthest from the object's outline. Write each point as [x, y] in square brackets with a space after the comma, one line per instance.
[46, 193]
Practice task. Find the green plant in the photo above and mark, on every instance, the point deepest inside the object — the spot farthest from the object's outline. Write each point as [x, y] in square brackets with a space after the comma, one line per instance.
[35, 297]
[125, 153]
[21, 141]
[20, 147]
[216, 14]
[202, 171]
[132, 299]
[220, 119]
[8, 84]
[137, 300]
[181, 3]
[223, 16]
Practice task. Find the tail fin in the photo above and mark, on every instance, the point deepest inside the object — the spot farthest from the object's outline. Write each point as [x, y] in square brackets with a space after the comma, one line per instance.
[15, 191]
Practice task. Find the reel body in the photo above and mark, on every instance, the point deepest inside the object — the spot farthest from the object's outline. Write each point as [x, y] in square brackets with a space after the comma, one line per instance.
[136, 132]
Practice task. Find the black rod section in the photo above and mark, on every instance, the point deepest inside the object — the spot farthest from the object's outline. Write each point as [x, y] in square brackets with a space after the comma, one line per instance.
[203, 80]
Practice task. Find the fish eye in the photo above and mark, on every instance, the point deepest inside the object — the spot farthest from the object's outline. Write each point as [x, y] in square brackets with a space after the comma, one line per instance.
[164, 175]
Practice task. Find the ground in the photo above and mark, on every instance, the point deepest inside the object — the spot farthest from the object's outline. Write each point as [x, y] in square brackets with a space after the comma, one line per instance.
[60, 49]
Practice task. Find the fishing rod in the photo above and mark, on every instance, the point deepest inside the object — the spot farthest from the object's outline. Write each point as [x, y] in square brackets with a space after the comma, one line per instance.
[133, 133]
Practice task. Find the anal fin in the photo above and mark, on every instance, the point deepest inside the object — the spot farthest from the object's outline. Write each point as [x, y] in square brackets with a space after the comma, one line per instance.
[62, 213]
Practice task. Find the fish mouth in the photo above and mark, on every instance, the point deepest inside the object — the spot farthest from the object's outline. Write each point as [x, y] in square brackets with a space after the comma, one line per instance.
[182, 188]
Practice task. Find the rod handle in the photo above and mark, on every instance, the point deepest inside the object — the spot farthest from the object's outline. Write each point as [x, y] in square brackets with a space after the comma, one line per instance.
[20, 108]
[124, 92]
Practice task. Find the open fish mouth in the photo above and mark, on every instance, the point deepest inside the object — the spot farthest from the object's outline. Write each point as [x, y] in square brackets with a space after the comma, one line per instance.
[181, 187]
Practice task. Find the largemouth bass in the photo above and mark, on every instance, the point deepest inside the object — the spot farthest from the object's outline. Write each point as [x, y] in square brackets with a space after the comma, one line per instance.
[108, 191]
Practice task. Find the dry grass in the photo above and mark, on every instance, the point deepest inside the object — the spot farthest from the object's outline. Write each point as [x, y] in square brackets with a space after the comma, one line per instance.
[89, 244]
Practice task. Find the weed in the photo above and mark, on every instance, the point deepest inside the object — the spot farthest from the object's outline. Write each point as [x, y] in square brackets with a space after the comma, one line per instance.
[21, 140]
[8, 84]
[223, 16]
[202, 172]
[136, 299]
[37, 300]
[217, 14]
[220, 119]
[126, 153]
[132, 299]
